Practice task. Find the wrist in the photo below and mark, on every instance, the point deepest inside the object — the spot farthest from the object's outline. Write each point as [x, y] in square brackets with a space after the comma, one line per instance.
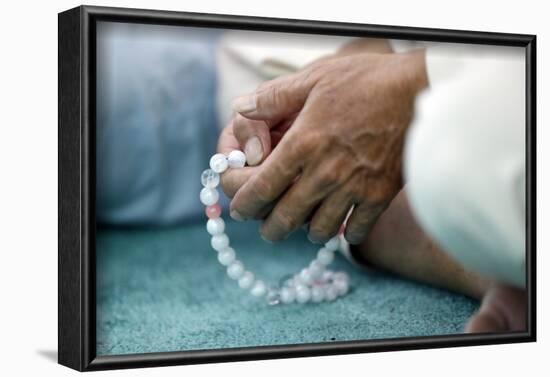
[416, 74]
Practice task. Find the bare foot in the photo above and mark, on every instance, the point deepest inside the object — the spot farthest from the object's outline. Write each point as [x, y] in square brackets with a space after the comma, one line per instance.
[503, 309]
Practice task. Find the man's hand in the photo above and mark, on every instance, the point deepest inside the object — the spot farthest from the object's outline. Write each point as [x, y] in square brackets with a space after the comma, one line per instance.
[341, 124]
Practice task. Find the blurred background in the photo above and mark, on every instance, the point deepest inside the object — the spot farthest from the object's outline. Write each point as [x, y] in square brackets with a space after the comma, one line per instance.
[163, 94]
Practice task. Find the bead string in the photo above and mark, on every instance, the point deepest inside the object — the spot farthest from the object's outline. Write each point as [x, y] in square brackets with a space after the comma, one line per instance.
[314, 283]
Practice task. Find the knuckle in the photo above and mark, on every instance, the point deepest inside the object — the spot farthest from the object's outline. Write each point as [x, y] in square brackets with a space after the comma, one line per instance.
[377, 197]
[238, 123]
[284, 221]
[316, 71]
[322, 230]
[308, 143]
[274, 96]
[264, 86]
[329, 177]
[241, 130]
[262, 190]
[267, 88]
[296, 148]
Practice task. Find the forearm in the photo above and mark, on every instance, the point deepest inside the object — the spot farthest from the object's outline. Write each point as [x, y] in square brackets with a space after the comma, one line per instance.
[397, 244]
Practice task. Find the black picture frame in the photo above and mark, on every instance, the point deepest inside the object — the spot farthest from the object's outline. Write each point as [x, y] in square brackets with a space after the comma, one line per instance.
[76, 186]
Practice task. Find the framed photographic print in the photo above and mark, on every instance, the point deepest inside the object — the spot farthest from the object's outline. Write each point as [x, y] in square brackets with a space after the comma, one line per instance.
[239, 188]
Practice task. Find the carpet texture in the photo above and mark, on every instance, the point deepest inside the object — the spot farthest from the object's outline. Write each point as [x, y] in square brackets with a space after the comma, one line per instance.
[163, 290]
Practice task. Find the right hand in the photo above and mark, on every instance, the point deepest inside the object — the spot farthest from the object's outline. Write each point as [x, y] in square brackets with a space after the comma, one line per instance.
[346, 120]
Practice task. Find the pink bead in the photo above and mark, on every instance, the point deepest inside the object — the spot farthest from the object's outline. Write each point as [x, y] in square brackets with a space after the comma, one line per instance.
[214, 211]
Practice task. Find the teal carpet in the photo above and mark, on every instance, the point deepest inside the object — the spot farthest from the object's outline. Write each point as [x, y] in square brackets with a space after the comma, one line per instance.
[163, 290]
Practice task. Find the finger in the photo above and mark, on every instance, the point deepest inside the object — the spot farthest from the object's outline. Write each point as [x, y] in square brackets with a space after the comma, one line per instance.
[273, 177]
[254, 138]
[276, 99]
[298, 204]
[292, 209]
[264, 212]
[330, 216]
[233, 179]
[280, 130]
[360, 222]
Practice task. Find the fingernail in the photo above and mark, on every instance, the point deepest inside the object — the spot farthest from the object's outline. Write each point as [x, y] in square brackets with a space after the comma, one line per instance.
[253, 151]
[244, 104]
[313, 238]
[265, 239]
[236, 215]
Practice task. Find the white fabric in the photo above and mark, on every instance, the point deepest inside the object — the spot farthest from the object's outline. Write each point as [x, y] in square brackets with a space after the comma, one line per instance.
[245, 59]
[465, 158]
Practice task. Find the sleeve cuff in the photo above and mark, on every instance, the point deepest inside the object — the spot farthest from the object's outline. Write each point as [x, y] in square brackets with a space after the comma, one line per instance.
[442, 62]
[441, 67]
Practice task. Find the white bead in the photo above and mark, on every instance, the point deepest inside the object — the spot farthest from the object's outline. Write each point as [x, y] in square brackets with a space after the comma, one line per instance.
[259, 289]
[290, 282]
[342, 286]
[218, 163]
[333, 244]
[331, 293]
[215, 226]
[325, 256]
[273, 296]
[305, 276]
[236, 159]
[316, 269]
[219, 242]
[288, 295]
[210, 179]
[327, 275]
[317, 293]
[303, 294]
[340, 276]
[209, 196]
[226, 256]
[235, 270]
[247, 280]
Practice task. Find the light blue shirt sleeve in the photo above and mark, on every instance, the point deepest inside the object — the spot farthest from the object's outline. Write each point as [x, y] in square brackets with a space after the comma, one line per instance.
[156, 121]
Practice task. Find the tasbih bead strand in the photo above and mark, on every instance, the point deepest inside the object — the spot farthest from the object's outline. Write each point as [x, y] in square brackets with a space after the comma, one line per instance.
[314, 283]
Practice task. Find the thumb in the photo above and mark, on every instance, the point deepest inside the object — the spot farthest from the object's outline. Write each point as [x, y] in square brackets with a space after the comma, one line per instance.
[276, 99]
[253, 137]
